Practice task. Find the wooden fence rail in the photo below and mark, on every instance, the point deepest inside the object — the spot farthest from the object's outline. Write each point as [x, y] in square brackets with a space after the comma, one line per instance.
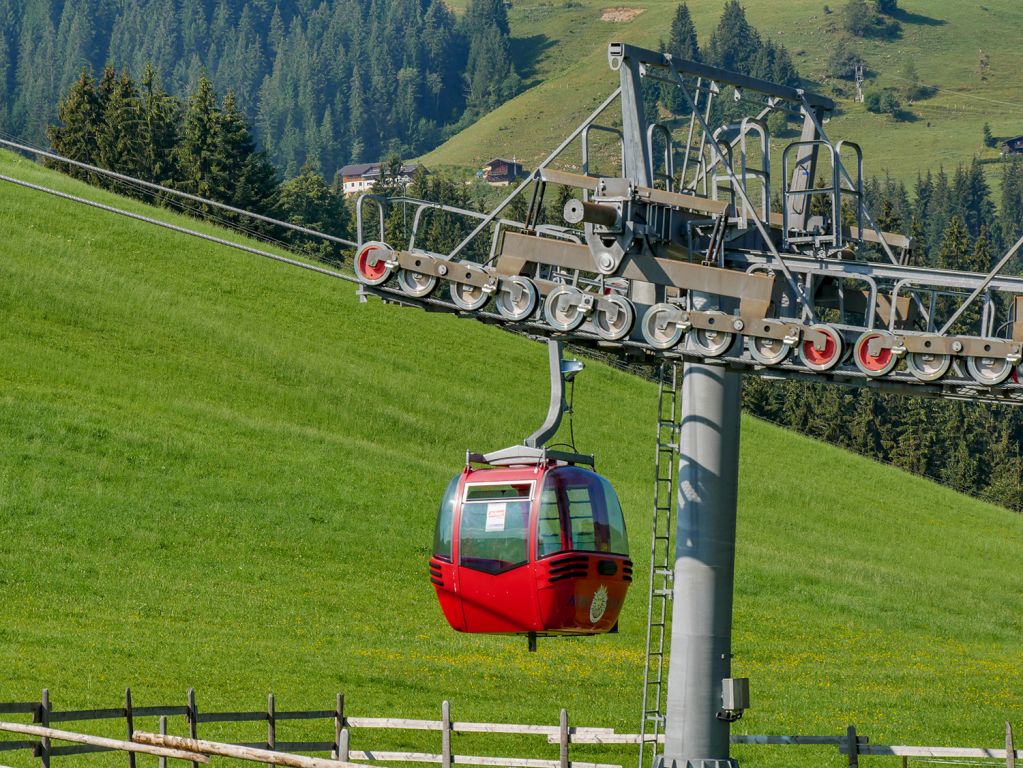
[339, 747]
[100, 741]
[1008, 755]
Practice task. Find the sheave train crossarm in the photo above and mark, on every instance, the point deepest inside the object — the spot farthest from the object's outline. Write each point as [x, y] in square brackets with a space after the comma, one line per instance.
[683, 255]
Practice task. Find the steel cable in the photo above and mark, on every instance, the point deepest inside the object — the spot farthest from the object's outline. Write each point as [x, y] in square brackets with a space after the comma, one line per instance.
[179, 229]
[177, 193]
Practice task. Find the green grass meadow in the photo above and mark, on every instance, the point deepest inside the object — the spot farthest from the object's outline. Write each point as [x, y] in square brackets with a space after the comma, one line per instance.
[561, 50]
[221, 472]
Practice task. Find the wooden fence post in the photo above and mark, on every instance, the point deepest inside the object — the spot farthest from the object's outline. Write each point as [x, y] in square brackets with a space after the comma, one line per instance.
[44, 718]
[271, 722]
[854, 747]
[193, 718]
[445, 733]
[339, 723]
[1010, 749]
[130, 720]
[563, 739]
[163, 732]
[343, 746]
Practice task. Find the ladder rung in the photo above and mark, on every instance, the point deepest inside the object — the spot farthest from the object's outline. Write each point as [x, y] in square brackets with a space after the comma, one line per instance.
[668, 436]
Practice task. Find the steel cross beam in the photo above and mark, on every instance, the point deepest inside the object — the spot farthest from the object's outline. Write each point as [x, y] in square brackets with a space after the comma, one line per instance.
[619, 51]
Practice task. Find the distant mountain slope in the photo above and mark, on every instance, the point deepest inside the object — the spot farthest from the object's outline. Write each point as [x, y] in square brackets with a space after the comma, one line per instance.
[221, 472]
[943, 38]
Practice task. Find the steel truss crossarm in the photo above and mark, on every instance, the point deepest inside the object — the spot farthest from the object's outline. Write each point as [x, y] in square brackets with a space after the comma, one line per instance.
[617, 52]
[535, 175]
[982, 287]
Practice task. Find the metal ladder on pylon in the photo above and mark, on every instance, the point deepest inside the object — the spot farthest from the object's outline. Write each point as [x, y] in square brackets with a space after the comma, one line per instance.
[662, 562]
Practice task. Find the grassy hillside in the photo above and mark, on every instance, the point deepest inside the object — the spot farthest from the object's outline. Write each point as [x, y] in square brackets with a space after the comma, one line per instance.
[563, 49]
[220, 472]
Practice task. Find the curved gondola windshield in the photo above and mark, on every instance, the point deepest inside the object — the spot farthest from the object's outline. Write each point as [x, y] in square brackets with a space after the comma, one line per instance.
[446, 520]
[493, 533]
[579, 511]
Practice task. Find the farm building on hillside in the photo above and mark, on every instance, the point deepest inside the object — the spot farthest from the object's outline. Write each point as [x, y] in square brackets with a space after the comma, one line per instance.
[500, 172]
[361, 177]
[1013, 146]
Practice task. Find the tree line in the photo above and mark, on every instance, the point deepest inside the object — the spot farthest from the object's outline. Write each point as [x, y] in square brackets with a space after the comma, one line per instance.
[735, 44]
[328, 82]
[203, 146]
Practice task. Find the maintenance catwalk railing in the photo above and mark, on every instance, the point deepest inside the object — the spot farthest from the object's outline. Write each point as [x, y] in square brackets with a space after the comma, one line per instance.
[42, 712]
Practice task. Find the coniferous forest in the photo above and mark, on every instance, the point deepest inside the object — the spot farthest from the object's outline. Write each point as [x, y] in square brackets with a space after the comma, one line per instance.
[329, 81]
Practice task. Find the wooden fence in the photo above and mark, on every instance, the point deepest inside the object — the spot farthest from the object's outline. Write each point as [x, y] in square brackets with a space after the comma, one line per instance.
[850, 744]
[1009, 755]
[44, 713]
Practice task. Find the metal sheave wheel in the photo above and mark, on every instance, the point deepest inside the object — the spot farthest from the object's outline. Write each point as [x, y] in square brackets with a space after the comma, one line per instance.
[468, 297]
[712, 342]
[989, 371]
[517, 298]
[928, 366]
[375, 274]
[614, 317]
[662, 326]
[822, 359]
[562, 311]
[416, 284]
[874, 365]
[768, 351]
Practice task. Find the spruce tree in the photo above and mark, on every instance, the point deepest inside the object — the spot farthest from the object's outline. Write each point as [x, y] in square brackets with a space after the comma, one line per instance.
[308, 201]
[734, 43]
[954, 250]
[981, 258]
[910, 448]
[1005, 481]
[938, 213]
[358, 125]
[119, 145]
[1012, 201]
[960, 469]
[158, 129]
[80, 116]
[245, 178]
[682, 44]
[199, 153]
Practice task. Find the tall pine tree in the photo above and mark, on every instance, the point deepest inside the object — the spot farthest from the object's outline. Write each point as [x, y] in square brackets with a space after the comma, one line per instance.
[682, 44]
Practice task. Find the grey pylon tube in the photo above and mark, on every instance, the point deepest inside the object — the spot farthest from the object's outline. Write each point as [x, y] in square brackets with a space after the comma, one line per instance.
[701, 631]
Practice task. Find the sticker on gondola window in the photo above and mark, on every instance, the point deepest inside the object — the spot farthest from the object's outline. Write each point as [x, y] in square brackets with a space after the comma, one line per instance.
[495, 517]
[599, 604]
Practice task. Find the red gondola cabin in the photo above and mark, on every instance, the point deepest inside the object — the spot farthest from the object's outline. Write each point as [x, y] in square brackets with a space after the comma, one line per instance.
[535, 550]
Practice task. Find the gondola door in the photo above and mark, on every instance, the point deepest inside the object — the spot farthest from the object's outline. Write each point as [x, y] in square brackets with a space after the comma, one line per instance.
[493, 542]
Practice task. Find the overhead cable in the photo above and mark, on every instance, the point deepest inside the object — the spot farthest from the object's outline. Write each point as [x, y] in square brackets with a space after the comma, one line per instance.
[177, 193]
[179, 229]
